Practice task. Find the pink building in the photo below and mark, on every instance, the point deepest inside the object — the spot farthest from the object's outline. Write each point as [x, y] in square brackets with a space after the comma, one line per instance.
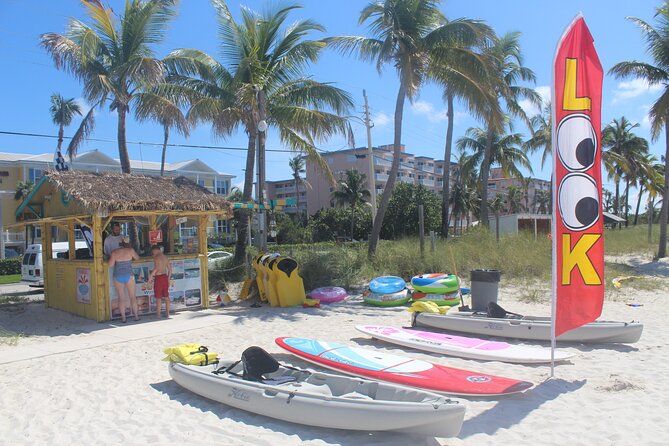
[277, 190]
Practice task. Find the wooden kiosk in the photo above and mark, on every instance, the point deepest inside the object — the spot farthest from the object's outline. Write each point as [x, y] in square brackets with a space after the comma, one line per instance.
[77, 208]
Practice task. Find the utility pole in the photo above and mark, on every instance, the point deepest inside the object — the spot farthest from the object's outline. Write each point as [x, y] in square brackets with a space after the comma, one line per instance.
[370, 156]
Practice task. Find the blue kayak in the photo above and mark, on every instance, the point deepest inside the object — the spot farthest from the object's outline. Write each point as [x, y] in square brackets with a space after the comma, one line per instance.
[387, 285]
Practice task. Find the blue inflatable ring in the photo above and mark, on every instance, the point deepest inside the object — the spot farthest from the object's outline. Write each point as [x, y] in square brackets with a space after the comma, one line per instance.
[387, 285]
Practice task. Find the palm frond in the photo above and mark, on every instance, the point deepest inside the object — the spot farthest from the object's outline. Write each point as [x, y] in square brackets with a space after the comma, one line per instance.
[83, 133]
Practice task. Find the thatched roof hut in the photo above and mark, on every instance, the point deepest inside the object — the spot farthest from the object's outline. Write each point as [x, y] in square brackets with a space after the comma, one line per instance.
[116, 192]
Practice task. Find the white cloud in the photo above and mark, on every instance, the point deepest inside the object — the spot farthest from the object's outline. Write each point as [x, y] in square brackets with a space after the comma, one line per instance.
[632, 89]
[429, 111]
[530, 109]
[381, 119]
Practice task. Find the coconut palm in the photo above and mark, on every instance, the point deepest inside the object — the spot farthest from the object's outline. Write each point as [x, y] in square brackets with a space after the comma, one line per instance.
[497, 204]
[462, 70]
[505, 150]
[161, 105]
[542, 201]
[542, 130]
[351, 192]
[622, 159]
[648, 177]
[508, 70]
[404, 33]
[296, 165]
[263, 81]
[464, 198]
[657, 45]
[514, 198]
[62, 113]
[112, 56]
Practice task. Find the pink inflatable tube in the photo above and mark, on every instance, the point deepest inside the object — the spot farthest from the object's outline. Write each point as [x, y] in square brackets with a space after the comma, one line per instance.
[329, 294]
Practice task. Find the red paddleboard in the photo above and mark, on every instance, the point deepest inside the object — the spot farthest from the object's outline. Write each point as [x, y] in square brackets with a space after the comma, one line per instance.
[399, 369]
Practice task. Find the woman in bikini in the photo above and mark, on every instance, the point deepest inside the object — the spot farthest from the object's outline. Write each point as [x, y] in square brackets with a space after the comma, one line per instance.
[124, 279]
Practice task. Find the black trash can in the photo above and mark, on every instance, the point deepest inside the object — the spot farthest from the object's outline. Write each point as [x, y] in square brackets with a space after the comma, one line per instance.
[485, 284]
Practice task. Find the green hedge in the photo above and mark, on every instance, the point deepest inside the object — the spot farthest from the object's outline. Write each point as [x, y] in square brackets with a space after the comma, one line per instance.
[10, 266]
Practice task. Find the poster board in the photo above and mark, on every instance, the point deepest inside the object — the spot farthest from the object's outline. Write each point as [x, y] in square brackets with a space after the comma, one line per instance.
[185, 287]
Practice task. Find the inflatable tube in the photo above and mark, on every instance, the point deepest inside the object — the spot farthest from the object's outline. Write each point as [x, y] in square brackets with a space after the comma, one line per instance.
[328, 295]
[435, 283]
[387, 285]
[439, 299]
[388, 299]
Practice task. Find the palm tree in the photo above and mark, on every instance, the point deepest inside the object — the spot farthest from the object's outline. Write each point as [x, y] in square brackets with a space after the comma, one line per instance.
[624, 155]
[657, 45]
[649, 176]
[542, 131]
[464, 198]
[462, 71]
[296, 165]
[497, 204]
[160, 105]
[351, 192]
[404, 33]
[542, 201]
[505, 150]
[264, 82]
[508, 70]
[514, 197]
[62, 113]
[23, 190]
[112, 55]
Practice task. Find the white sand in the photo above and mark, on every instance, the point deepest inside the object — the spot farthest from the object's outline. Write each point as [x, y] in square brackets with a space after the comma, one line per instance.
[111, 387]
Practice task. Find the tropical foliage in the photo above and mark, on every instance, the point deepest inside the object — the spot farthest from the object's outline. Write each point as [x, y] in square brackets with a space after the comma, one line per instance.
[112, 55]
[351, 192]
[63, 112]
[402, 218]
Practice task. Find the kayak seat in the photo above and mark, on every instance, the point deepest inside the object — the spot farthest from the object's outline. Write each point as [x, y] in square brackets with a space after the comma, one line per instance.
[279, 380]
[256, 363]
[497, 312]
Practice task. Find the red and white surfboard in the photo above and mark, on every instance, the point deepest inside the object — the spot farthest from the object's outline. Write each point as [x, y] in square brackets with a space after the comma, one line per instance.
[400, 370]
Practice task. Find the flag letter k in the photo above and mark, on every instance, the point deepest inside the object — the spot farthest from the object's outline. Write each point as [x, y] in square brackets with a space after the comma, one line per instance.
[578, 257]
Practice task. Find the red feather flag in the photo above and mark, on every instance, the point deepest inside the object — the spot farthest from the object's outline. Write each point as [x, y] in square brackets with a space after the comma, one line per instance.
[578, 239]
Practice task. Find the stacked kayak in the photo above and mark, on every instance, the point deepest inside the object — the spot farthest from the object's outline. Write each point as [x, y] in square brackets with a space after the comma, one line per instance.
[463, 347]
[324, 400]
[442, 289]
[387, 291]
[402, 370]
[529, 327]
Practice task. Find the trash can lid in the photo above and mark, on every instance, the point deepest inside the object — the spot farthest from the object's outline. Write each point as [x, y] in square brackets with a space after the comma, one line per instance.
[485, 275]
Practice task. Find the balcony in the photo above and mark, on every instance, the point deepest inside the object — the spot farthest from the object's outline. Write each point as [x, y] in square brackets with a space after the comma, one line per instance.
[381, 177]
[382, 162]
[13, 237]
[407, 180]
[426, 183]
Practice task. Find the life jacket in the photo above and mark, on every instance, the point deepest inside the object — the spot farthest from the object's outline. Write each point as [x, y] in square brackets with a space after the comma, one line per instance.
[191, 354]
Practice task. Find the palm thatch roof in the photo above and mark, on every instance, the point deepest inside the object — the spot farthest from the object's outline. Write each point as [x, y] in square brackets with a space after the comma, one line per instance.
[128, 192]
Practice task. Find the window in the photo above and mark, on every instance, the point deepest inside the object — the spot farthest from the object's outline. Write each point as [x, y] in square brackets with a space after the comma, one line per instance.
[222, 187]
[200, 183]
[222, 227]
[34, 175]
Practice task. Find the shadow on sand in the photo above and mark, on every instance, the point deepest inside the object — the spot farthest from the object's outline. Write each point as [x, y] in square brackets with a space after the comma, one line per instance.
[513, 409]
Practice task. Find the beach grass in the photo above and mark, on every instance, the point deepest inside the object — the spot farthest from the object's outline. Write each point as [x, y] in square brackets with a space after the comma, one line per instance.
[631, 240]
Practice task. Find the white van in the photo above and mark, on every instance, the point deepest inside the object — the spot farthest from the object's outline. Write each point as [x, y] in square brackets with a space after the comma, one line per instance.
[32, 268]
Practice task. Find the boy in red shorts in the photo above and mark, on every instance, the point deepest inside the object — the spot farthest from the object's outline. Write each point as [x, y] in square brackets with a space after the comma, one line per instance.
[162, 271]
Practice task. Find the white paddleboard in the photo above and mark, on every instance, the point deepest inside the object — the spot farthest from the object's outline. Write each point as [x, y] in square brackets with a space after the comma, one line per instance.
[470, 348]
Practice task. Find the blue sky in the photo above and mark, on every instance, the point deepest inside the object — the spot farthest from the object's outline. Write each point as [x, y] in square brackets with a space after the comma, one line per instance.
[28, 77]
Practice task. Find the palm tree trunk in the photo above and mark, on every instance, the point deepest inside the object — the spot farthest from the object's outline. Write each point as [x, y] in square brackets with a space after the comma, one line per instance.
[638, 204]
[162, 161]
[650, 218]
[497, 225]
[352, 221]
[485, 173]
[662, 249]
[446, 188]
[122, 144]
[627, 196]
[616, 208]
[392, 177]
[297, 200]
[61, 132]
[244, 214]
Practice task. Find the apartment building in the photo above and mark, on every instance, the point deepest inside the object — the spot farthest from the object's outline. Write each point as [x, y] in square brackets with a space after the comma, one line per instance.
[15, 167]
[530, 187]
[414, 169]
[277, 190]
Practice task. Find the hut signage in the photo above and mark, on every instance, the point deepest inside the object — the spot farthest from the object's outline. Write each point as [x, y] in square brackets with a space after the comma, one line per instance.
[156, 236]
[84, 285]
[185, 287]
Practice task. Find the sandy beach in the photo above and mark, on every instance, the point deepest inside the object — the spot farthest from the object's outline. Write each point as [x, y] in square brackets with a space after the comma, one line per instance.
[73, 381]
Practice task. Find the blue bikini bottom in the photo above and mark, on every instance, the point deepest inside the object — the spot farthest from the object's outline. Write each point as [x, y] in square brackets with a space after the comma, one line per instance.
[122, 279]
